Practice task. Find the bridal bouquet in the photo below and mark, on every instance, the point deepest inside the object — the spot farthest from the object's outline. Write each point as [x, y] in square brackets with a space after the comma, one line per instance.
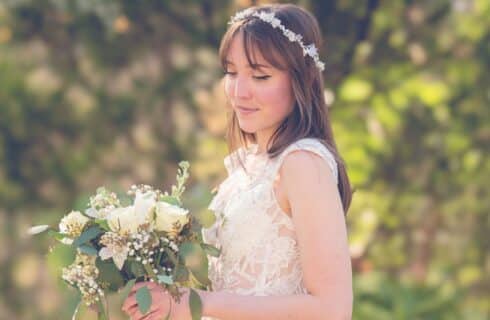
[153, 238]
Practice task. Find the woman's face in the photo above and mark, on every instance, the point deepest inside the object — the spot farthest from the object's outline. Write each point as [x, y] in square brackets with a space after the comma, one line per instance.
[262, 96]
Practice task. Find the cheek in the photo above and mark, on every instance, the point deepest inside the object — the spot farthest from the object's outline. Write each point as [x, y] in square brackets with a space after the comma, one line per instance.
[227, 86]
[276, 98]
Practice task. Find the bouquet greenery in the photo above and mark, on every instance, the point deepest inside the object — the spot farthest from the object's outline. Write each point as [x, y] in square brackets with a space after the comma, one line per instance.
[154, 238]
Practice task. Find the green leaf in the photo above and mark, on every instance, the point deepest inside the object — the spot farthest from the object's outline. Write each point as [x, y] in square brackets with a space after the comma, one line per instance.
[211, 250]
[109, 274]
[171, 255]
[75, 312]
[201, 275]
[169, 199]
[143, 297]
[196, 260]
[127, 288]
[137, 269]
[195, 304]
[103, 224]
[165, 279]
[55, 234]
[169, 313]
[87, 235]
[181, 274]
[91, 251]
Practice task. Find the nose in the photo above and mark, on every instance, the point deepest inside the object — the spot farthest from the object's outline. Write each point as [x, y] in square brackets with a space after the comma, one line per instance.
[241, 88]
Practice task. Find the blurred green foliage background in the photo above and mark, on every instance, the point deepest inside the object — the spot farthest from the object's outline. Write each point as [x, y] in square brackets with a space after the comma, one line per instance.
[116, 92]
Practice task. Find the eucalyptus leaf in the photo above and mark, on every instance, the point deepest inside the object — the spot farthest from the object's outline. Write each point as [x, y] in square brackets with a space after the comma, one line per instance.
[201, 275]
[211, 250]
[181, 274]
[87, 235]
[196, 260]
[103, 224]
[165, 279]
[109, 274]
[143, 297]
[136, 269]
[55, 234]
[91, 251]
[171, 255]
[195, 305]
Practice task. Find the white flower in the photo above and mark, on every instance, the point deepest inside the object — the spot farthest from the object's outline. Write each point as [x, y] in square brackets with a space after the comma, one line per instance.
[67, 241]
[37, 229]
[98, 214]
[118, 255]
[72, 224]
[144, 203]
[128, 219]
[275, 22]
[124, 220]
[311, 50]
[170, 218]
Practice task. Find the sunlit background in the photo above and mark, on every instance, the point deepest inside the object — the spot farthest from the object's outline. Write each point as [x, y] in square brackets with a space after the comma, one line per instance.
[116, 92]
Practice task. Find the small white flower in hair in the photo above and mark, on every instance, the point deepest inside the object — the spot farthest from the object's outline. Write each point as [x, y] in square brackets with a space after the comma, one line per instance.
[275, 22]
[310, 50]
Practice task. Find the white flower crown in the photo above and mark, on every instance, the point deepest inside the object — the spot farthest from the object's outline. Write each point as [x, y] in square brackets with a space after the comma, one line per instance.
[270, 18]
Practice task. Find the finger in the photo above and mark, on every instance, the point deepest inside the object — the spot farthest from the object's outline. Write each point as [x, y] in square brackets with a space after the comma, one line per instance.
[134, 310]
[151, 315]
[138, 285]
[129, 302]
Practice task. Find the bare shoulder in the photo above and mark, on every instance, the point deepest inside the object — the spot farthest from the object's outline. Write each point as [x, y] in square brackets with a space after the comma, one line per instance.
[305, 166]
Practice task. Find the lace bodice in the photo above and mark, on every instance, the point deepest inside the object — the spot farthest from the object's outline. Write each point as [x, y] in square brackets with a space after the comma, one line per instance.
[259, 251]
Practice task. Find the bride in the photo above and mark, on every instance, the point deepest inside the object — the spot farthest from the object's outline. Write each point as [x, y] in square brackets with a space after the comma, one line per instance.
[280, 213]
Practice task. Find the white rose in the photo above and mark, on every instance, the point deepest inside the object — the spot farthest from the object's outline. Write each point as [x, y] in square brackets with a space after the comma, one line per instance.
[72, 224]
[124, 220]
[167, 216]
[144, 204]
[128, 219]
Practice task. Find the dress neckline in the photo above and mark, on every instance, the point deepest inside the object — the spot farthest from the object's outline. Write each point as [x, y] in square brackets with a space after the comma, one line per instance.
[253, 149]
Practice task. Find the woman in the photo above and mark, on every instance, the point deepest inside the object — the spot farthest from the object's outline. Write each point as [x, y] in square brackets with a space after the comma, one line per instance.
[281, 211]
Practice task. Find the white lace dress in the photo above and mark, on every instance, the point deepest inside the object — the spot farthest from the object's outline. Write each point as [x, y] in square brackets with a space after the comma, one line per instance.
[259, 250]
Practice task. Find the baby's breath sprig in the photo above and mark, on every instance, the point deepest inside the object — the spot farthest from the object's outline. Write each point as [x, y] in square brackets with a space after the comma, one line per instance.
[142, 188]
[82, 274]
[104, 199]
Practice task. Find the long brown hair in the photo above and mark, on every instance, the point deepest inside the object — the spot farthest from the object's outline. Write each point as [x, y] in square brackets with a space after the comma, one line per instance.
[310, 117]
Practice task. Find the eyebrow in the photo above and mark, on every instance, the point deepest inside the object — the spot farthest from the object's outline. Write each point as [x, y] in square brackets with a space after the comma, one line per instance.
[253, 66]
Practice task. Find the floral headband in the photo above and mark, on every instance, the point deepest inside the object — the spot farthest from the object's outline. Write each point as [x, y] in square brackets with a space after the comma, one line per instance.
[271, 19]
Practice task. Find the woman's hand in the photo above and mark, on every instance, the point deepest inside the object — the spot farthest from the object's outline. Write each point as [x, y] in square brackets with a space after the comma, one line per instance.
[162, 303]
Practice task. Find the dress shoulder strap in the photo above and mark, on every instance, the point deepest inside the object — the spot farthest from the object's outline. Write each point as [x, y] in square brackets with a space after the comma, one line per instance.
[312, 145]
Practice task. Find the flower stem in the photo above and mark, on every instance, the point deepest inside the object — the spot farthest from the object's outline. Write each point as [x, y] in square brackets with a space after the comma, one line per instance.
[101, 312]
[150, 272]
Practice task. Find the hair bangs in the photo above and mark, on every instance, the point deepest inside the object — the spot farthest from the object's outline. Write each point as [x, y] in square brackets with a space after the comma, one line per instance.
[256, 41]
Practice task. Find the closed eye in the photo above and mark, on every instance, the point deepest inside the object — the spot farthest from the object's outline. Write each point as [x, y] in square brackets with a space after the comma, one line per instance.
[262, 77]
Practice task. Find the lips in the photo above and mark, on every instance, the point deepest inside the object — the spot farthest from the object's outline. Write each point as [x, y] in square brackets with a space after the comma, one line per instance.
[246, 110]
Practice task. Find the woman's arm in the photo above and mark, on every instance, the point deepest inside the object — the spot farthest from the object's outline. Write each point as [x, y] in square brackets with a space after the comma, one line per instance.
[322, 238]
[227, 306]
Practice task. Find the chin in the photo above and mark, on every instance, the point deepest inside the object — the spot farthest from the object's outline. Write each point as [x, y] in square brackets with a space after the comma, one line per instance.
[247, 128]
